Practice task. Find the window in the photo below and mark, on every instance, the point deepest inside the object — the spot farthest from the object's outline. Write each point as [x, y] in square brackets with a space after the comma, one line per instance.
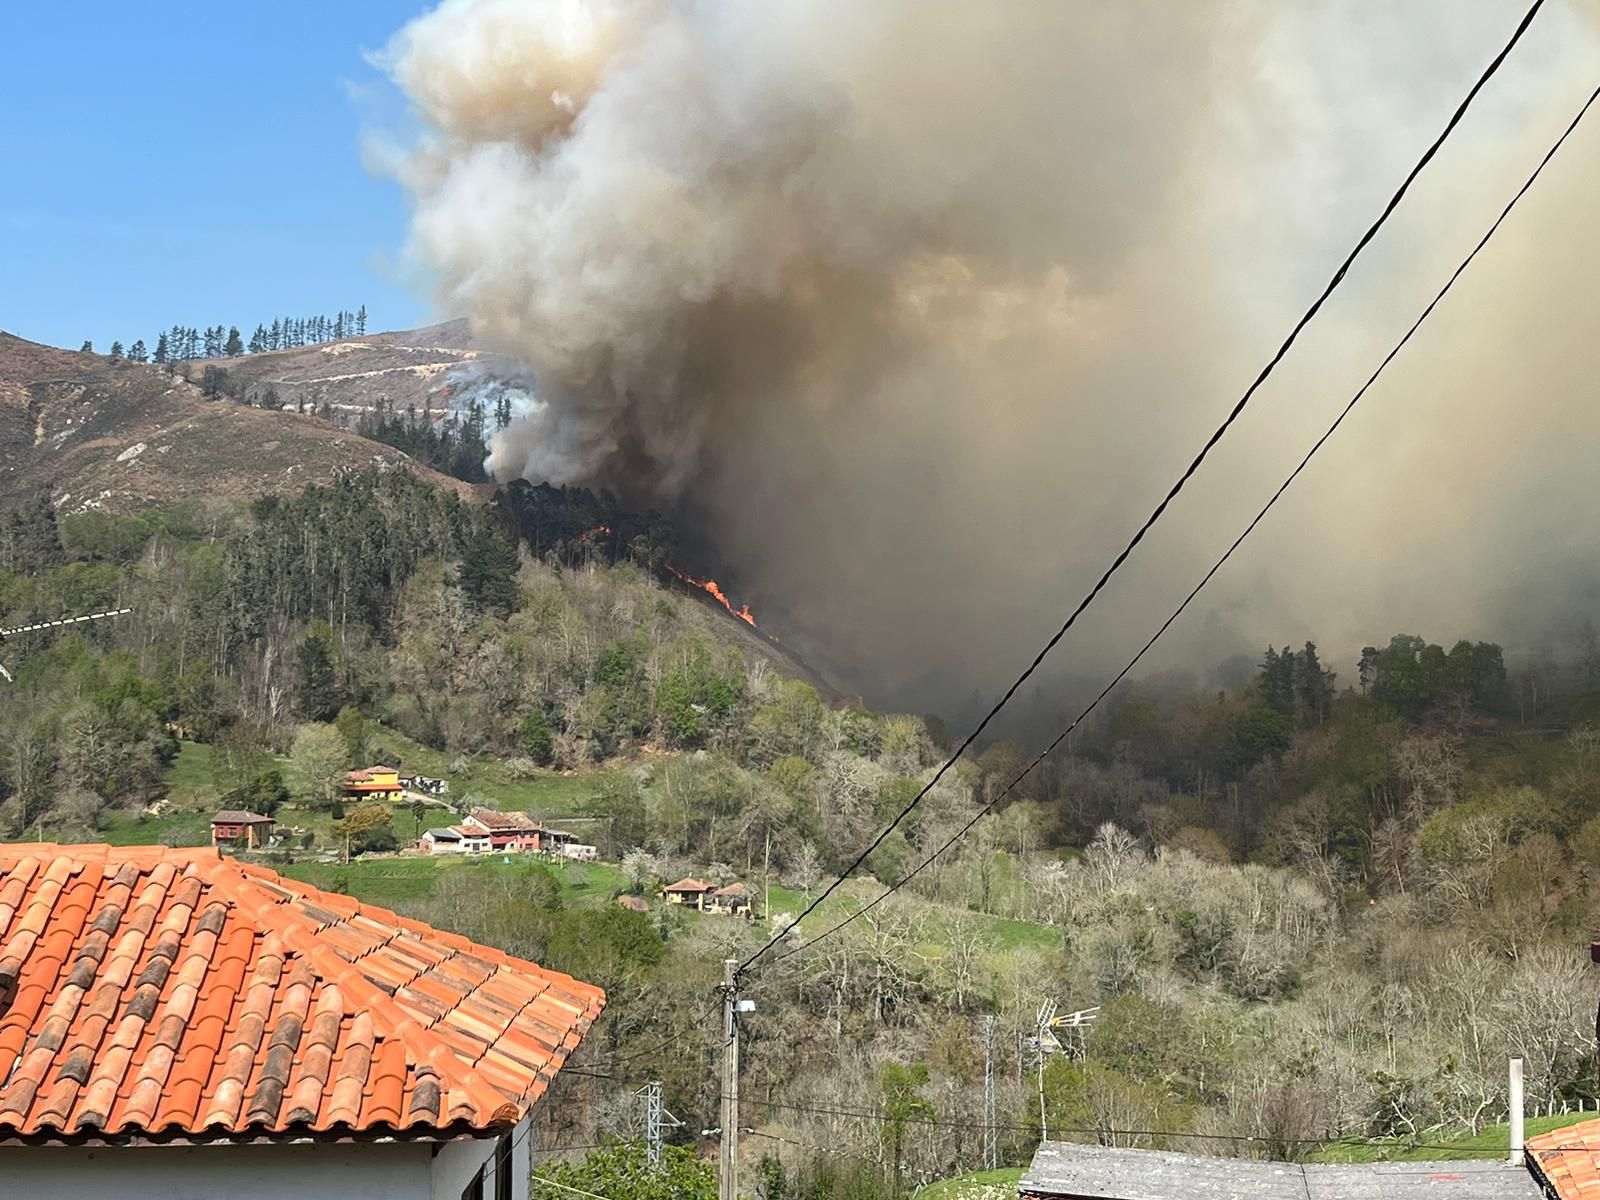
[474, 1190]
[502, 1170]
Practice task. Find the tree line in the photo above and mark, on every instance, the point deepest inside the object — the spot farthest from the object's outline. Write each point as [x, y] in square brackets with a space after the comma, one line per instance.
[184, 343]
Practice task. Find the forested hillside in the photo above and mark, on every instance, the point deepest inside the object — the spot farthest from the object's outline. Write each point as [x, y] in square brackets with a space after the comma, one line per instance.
[1326, 905]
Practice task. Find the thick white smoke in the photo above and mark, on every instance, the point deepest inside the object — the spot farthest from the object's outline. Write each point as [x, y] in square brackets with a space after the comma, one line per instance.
[919, 303]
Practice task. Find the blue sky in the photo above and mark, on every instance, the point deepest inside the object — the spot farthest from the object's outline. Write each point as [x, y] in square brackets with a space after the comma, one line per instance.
[195, 163]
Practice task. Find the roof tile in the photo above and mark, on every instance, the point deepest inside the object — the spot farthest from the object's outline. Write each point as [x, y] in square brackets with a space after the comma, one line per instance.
[150, 992]
[1567, 1160]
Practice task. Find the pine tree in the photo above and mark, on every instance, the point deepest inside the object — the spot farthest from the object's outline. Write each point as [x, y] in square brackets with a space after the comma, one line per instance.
[177, 340]
[502, 411]
[161, 348]
[1315, 687]
[116, 350]
[234, 346]
[213, 346]
[137, 352]
[316, 694]
[191, 343]
[361, 321]
[338, 326]
[86, 348]
[257, 341]
[275, 335]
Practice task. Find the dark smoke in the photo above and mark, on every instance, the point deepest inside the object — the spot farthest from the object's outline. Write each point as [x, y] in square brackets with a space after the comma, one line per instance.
[915, 308]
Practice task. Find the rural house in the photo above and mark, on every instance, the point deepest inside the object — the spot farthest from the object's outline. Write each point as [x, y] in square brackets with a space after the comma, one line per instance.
[240, 830]
[1068, 1171]
[507, 832]
[485, 831]
[442, 841]
[732, 899]
[176, 1022]
[376, 783]
[688, 891]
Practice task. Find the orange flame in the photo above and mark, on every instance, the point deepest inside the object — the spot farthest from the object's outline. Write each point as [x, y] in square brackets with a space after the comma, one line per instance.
[599, 531]
[709, 586]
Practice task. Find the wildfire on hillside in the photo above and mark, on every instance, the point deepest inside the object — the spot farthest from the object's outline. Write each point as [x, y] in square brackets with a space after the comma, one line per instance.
[709, 586]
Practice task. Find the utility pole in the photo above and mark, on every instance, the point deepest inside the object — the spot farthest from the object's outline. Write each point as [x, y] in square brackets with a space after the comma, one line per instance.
[652, 1122]
[728, 1179]
[991, 1139]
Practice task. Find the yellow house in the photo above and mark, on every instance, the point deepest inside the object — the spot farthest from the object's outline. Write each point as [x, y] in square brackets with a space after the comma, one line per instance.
[380, 781]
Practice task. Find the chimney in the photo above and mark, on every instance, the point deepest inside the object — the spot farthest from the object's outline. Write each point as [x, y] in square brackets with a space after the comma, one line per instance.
[1516, 1113]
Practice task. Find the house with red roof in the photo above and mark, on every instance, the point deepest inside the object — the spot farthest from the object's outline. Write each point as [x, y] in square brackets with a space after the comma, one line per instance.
[692, 892]
[375, 783]
[240, 830]
[176, 1022]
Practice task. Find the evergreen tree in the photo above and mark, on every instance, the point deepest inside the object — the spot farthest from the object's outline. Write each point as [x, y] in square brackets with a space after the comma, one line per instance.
[161, 348]
[234, 346]
[1314, 686]
[137, 352]
[258, 341]
[502, 410]
[489, 566]
[1277, 681]
[535, 737]
[177, 342]
[361, 321]
[116, 350]
[86, 348]
[275, 334]
[316, 692]
[30, 541]
[338, 326]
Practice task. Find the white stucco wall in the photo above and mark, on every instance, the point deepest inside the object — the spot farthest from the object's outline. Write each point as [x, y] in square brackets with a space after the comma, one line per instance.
[364, 1171]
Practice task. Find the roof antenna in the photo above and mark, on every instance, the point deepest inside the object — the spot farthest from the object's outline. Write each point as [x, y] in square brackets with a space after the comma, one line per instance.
[6, 634]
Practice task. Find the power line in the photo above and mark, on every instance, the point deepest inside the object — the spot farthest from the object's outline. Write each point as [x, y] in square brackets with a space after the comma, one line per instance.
[1227, 554]
[1189, 472]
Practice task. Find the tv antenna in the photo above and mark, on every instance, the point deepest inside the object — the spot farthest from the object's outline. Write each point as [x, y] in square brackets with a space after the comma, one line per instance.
[7, 634]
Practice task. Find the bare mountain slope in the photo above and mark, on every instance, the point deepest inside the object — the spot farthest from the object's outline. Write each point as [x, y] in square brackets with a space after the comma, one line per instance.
[117, 436]
[413, 367]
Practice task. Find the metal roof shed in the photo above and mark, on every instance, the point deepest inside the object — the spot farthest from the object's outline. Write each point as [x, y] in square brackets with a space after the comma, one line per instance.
[1067, 1171]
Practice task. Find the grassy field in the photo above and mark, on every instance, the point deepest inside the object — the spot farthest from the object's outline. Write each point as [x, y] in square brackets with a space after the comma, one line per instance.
[1495, 1139]
[980, 1185]
[388, 881]
[192, 797]
[494, 783]
[1001, 935]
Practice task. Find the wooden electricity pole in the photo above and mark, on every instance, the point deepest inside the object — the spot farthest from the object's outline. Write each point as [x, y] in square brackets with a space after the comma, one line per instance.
[728, 1179]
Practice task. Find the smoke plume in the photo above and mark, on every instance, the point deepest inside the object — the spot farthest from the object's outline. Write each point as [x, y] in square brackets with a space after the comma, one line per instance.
[917, 306]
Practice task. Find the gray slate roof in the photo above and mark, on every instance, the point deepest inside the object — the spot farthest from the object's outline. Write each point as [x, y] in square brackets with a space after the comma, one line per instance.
[237, 816]
[1068, 1170]
[444, 835]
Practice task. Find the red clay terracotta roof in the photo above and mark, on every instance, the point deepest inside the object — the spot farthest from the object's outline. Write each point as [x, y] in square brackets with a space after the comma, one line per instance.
[155, 992]
[503, 822]
[690, 885]
[1568, 1160]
